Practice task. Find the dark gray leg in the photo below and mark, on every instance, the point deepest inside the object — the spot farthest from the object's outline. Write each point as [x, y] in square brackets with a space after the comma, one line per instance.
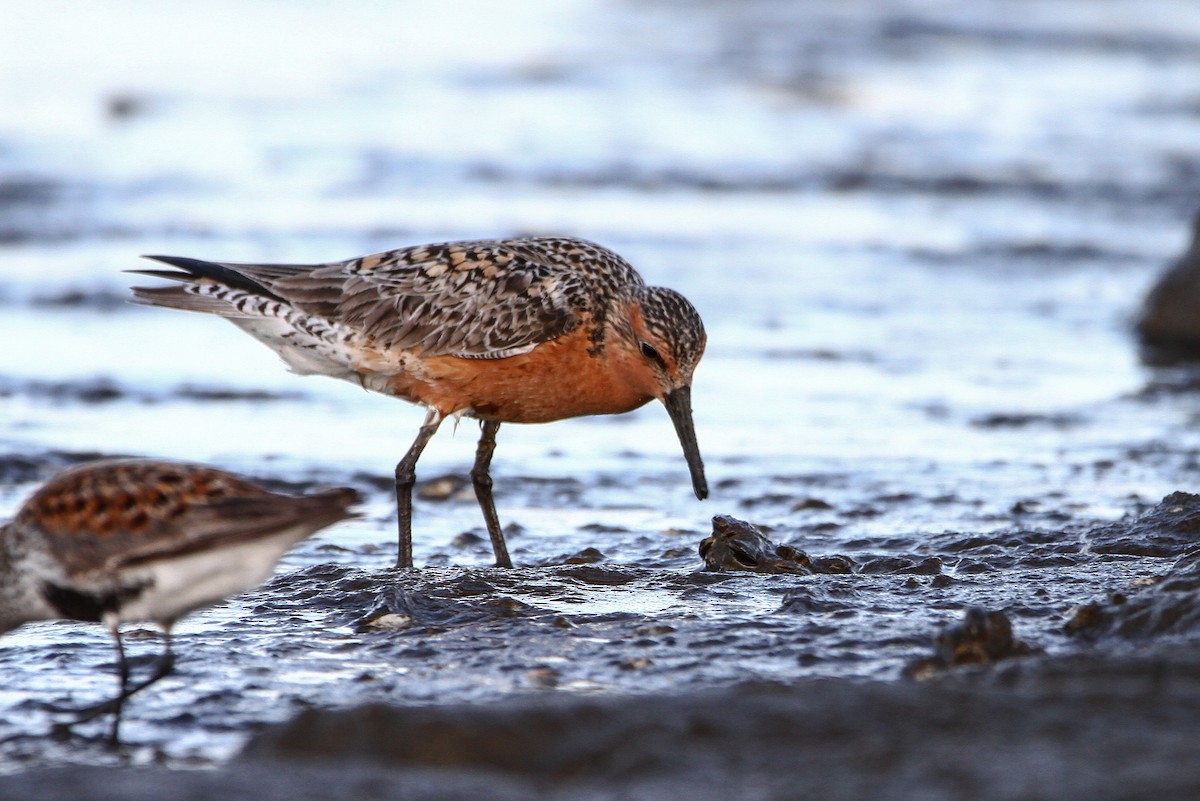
[118, 703]
[406, 476]
[482, 480]
[162, 669]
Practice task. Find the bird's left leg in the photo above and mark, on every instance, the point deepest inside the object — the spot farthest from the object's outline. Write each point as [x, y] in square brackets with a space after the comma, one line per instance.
[482, 479]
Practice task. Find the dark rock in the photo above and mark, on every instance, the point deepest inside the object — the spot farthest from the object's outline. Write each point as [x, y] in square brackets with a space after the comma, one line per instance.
[1168, 530]
[1168, 606]
[1169, 327]
[981, 638]
[738, 545]
[587, 556]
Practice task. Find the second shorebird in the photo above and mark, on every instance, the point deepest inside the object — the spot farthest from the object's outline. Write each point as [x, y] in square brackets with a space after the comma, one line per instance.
[507, 331]
[139, 539]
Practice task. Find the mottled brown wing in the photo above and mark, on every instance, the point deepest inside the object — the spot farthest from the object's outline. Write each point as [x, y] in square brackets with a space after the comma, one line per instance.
[472, 299]
[482, 299]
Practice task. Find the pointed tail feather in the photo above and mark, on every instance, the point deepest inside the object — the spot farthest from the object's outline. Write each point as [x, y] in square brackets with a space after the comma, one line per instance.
[178, 297]
[220, 273]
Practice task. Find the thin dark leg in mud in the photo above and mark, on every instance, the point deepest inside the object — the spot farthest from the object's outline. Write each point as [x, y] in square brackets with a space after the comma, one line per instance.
[482, 479]
[84, 714]
[406, 476]
[162, 667]
[116, 705]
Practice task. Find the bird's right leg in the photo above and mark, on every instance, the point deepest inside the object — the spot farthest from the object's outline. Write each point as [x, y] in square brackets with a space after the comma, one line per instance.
[406, 477]
[162, 668]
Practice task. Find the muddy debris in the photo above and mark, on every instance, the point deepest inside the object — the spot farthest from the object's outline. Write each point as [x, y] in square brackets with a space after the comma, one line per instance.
[1168, 530]
[404, 609]
[811, 504]
[738, 545]
[445, 488]
[981, 638]
[1166, 605]
[586, 556]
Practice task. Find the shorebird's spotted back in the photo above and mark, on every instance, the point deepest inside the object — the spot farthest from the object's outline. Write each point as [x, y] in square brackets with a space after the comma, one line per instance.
[130, 498]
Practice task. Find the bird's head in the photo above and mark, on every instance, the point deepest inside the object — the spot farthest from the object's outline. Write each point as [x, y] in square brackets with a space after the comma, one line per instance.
[669, 339]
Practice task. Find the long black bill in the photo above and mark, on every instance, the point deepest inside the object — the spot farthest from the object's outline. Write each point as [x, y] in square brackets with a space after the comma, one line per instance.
[679, 406]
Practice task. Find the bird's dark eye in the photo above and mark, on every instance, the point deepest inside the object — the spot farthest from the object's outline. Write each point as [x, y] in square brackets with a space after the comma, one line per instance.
[650, 353]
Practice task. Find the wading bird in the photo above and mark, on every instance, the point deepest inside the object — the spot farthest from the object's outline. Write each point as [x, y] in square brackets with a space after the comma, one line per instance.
[143, 540]
[506, 331]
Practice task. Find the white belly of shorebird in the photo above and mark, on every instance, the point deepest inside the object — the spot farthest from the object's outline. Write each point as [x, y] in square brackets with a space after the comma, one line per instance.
[177, 586]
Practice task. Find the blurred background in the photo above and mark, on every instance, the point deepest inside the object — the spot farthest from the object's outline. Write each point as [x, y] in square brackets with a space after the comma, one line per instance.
[919, 233]
[895, 217]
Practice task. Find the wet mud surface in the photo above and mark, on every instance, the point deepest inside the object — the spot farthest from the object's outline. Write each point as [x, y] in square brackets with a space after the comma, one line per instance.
[919, 240]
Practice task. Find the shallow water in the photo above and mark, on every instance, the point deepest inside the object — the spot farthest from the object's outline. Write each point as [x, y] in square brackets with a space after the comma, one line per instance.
[916, 233]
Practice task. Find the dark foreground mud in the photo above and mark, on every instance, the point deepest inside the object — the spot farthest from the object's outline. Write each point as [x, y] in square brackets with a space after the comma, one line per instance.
[588, 680]
[1108, 727]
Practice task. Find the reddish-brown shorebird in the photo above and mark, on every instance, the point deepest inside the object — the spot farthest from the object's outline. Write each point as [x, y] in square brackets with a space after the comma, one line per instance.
[136, 539]
[507, 331]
